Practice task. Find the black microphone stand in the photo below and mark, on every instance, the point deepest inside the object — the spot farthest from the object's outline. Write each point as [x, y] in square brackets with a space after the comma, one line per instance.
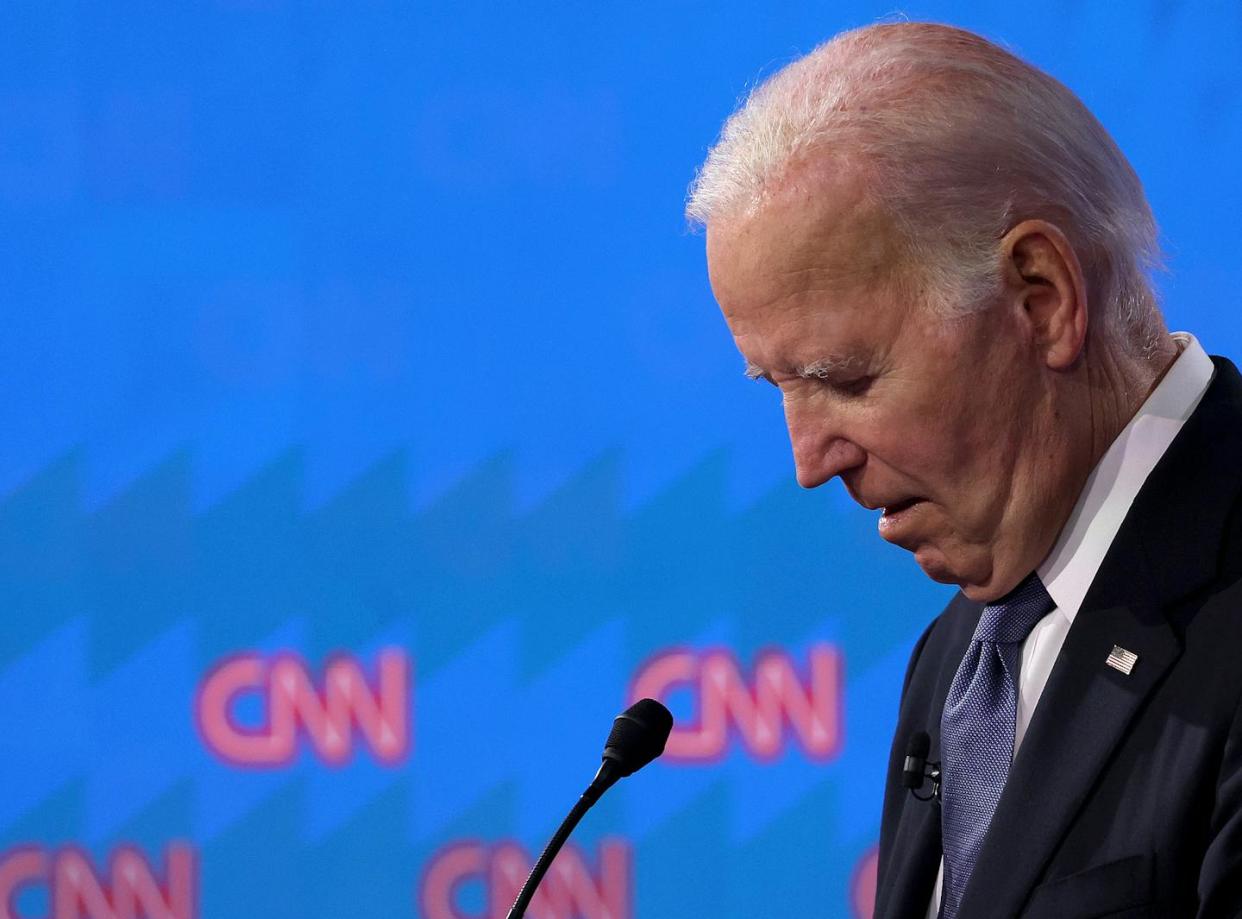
[638, 736]
[607, 776]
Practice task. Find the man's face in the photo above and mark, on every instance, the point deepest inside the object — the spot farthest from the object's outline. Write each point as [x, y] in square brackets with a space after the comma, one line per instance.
[939, 422]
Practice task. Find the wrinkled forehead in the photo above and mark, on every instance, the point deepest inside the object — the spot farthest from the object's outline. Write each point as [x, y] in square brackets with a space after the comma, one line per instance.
[814, 231]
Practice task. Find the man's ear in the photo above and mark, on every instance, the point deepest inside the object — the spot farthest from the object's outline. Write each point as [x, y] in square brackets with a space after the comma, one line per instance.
[1042, 272]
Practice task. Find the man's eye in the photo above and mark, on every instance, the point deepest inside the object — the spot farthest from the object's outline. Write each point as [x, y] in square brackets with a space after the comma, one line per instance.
[855, 387]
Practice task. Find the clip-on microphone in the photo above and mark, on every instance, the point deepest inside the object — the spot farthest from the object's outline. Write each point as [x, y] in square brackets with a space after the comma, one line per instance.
[917, 768]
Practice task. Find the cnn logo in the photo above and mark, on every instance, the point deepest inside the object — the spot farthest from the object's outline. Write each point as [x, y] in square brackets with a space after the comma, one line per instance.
[331, 711]
[765, 710]
[570, 889]
[131, 888]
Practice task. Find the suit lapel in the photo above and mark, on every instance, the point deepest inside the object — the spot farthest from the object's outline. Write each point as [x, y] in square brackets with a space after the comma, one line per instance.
[914, 862]
[1081, 717]
[917, 849]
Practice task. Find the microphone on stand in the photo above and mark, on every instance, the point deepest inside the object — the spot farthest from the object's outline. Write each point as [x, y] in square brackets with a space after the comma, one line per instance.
[638, 736]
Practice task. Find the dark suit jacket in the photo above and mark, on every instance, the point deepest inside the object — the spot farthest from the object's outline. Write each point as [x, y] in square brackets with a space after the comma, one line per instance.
[1125, 798]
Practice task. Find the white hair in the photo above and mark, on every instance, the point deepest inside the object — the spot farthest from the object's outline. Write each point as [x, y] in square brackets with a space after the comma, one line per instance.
[959, 140]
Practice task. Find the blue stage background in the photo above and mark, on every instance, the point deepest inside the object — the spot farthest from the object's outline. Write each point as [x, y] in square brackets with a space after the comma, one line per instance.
[333, 328]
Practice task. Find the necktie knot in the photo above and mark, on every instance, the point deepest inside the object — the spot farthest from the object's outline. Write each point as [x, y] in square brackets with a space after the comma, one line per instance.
[1011, 618]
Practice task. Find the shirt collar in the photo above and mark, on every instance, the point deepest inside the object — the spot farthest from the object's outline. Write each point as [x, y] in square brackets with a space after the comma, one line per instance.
[1114, 483]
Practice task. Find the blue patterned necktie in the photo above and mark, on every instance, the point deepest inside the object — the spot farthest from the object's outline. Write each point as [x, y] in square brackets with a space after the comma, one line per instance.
[977, 730]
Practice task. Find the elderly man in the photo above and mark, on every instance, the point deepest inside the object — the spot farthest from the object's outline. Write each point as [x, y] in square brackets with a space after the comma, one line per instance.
[938, 256]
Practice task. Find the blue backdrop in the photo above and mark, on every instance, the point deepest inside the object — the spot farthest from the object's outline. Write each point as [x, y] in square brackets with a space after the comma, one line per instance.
[364, 392]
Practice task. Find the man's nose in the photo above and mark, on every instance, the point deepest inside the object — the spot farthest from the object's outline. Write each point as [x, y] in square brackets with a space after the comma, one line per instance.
[820, 450]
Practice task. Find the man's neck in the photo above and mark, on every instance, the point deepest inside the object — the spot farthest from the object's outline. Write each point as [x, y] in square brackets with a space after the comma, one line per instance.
[1118, 385]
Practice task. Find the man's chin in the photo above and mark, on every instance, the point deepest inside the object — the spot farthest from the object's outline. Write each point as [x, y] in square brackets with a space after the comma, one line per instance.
[938, 568]
[979, 583]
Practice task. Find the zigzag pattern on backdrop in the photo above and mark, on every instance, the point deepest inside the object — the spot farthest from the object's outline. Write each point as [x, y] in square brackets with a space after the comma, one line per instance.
[525, 630]
[162, 264]
[322, 284]
[118, 734]
[256, 560]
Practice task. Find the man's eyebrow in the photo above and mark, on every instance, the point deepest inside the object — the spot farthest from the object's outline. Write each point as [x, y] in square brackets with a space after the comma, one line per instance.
[822, 369]
[831, 366]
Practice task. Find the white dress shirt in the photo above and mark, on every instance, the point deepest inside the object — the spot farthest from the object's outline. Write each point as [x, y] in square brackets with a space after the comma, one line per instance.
[1111, 488]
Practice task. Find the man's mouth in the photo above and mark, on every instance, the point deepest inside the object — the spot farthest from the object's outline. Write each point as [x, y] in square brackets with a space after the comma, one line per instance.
[892, 510]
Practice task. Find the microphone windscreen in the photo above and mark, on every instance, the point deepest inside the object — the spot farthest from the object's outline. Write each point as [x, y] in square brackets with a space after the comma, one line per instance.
[638, 735]
[916, 757]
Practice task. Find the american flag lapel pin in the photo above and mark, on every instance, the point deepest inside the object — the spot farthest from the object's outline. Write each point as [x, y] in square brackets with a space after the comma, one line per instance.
[1121, 659]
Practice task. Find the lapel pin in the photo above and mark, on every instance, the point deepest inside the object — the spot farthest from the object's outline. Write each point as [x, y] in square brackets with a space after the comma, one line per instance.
[1121, 659]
